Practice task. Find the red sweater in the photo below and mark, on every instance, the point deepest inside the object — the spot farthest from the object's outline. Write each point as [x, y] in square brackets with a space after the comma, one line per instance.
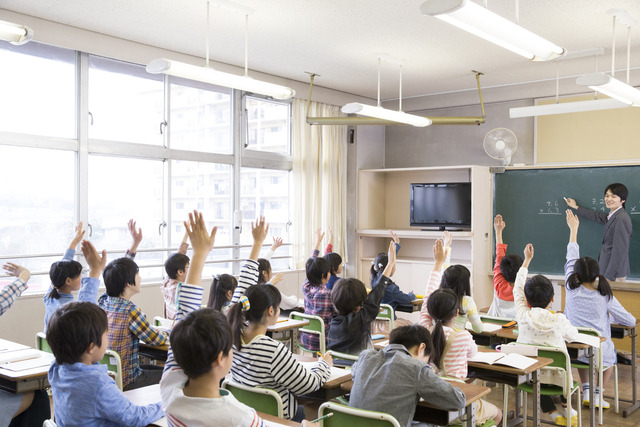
[500, 284]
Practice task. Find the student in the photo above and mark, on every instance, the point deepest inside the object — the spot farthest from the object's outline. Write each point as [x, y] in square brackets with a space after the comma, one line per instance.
[590, 303]
[393, 379]
[127, 324]
[458, 278]
[29, 408]
[266, 276]
[452, 348]
[221, 291]
[317, 298]
[335, 262]
[65, 276]
[350, 330]
[176, 266]
[614, 253]
[504, 275]
[83, 392]
[190, 385]
[538, 325]
[393, 295]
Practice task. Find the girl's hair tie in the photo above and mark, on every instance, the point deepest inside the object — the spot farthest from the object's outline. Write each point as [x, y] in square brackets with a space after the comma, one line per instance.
[245, 303]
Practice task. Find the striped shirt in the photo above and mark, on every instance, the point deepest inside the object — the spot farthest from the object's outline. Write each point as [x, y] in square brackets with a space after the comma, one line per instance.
[455, 360]
[434, 282]
[248, 277]
[267, 363]
[10, 293]
[127, 326]
[183, 410]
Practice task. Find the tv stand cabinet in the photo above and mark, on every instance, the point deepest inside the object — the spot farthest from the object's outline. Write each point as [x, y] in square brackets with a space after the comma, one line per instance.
[383, 204]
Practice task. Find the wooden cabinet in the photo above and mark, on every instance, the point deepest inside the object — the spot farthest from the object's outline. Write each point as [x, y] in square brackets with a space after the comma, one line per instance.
[383, 204]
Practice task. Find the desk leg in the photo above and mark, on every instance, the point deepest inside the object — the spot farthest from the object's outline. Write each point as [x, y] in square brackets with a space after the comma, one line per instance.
[536, 402]
[592, 380]
[470, 415]
[634, 403]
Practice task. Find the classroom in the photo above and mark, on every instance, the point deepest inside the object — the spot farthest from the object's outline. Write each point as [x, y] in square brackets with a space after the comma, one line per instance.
[77, 152]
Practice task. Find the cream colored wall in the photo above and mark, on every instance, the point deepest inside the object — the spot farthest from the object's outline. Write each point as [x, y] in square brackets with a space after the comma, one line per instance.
[26, 317]
[592, 136]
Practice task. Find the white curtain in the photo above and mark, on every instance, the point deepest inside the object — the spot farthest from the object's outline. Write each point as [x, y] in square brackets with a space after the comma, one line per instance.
[320, 180]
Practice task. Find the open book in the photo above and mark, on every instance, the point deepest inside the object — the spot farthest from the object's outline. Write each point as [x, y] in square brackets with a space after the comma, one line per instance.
[592, 340]
[486, 327]
[513, 360]
[335, 372]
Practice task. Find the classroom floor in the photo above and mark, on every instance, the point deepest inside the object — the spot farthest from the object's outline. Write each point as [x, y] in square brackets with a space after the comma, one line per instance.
[610, 419]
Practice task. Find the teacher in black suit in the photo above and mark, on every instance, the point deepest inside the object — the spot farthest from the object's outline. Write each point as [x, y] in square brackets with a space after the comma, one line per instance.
[614, 254]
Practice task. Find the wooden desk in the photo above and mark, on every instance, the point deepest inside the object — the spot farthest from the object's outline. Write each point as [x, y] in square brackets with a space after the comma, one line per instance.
[428, 413]
[287, 327]
[151, 394]
[513, 377]
[414, 305]
[28, 379]
[572, 347]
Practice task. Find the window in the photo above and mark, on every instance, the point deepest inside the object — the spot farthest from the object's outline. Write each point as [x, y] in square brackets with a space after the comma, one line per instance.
[269, 124]
[125, 102]
[38, 87]
[38, 208]
[200, 117]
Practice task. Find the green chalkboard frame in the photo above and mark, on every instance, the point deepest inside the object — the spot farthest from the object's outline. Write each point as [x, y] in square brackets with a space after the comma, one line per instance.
[532, 205]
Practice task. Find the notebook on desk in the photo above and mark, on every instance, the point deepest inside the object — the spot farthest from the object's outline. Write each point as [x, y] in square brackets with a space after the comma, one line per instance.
[487, 327]
[335, 372]
[513, 360]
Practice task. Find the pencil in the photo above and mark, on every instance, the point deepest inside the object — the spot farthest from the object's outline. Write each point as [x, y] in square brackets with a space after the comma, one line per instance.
[322, 418]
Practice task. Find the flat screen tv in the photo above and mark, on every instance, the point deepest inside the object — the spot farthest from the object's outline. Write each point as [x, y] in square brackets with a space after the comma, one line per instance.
[441, 205]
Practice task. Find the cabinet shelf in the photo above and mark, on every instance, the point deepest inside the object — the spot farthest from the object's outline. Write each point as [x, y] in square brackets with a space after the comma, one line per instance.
[413, 233]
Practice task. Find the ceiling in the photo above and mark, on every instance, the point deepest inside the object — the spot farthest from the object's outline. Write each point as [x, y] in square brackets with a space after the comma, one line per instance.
[338, 39]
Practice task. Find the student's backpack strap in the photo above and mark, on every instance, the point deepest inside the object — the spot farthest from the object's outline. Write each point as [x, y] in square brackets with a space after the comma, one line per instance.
[450, 339]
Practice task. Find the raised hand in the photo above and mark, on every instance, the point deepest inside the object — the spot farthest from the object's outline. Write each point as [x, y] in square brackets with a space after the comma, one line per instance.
[77, 238]
[17, 271]
[95, 260]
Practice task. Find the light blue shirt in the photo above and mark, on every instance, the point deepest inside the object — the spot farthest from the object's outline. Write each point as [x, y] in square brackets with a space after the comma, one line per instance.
[85, 395]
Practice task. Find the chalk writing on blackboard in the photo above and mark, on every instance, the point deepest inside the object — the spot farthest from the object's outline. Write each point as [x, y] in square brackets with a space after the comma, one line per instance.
[551, 208]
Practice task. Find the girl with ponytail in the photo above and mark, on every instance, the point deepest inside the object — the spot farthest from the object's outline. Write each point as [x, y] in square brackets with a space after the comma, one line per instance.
[590, 303]
[221, 291]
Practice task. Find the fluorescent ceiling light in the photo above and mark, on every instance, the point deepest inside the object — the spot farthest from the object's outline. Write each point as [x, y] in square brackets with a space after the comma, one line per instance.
[480, 21]
[15, 33]
[611, 87]
[209, 75]
[385, 114]
[566, 107]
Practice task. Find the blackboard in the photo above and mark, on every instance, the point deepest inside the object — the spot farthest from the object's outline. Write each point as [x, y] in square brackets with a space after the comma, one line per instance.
[532, 206]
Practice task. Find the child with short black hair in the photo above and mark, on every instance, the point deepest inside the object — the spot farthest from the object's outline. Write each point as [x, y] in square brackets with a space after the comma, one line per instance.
[505, 270]
[83, 392]
[317, 298]
[393, 379]
[350, 330]
[538, 325]
[176, 267]
[128, 324]
[221, 291]
[66, 277]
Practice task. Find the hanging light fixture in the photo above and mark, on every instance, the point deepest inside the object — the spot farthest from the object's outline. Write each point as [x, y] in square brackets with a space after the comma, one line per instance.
[382, 113]
[207, 74]
[15, 33]
[609, 85]
[481, 22]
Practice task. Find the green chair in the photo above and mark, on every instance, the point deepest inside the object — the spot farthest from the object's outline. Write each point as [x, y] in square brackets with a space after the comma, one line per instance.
[352, 417]
[315, 327]
[114, 366]
[556, 379]
[346, 359]
[386, 314]
[41, 342]
[599, 359]
[495, 319]
[261, 399]
[161, 321]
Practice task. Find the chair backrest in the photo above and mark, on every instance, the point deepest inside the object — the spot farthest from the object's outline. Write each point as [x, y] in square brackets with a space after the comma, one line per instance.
[495, 319]
[114, 366]
[315, 327]
[386, 313]
[561, 366]
[352, 417]
[41, 342]
[261, 399]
